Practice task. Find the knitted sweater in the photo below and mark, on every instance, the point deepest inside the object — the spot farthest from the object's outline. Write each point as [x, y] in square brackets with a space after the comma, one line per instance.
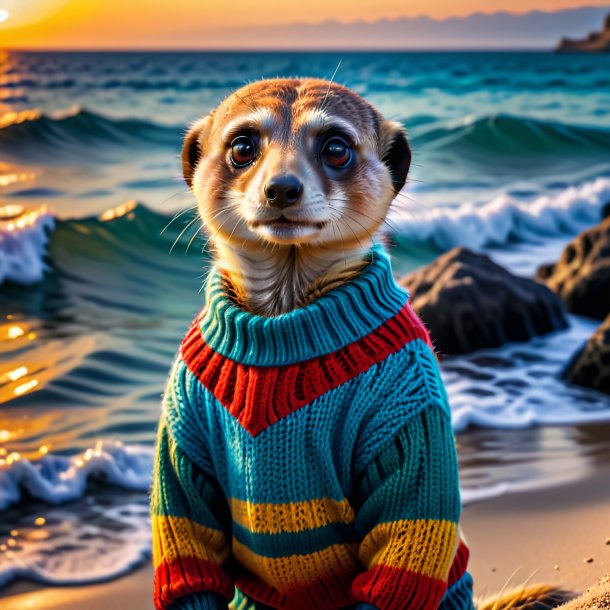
[307, 461]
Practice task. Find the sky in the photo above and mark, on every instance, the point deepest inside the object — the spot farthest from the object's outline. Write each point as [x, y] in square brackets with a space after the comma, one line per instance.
[169, 23]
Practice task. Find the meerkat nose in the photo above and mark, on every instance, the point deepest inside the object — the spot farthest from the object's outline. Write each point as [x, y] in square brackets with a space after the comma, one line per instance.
[284, 190]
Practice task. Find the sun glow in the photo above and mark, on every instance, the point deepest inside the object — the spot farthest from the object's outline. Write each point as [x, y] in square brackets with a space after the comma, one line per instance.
[105, 24]
[4, 15]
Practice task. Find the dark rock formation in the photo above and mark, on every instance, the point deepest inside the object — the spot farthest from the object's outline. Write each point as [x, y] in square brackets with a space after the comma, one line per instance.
[595, 42]
[591, 366]
[581, 277]
[468, 303]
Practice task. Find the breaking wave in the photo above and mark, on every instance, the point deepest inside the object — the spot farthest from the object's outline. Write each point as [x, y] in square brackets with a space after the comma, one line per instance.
[506, 219]
[77, 135]
[504, 135]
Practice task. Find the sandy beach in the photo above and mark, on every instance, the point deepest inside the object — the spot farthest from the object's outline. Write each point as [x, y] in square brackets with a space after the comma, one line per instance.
[546, 536]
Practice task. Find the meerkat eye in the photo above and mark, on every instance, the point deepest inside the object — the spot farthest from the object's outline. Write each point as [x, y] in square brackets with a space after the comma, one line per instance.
[336, 153]
[243, 151]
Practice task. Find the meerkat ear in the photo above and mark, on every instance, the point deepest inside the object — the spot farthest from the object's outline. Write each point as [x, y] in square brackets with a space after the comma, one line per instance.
[192, 148]
[395, 152]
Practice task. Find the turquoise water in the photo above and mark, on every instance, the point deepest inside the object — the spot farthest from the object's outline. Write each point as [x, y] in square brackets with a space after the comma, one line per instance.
[511, 157]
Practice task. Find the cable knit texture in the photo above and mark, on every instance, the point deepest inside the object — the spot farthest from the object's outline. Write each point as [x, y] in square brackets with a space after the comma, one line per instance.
[307, 460]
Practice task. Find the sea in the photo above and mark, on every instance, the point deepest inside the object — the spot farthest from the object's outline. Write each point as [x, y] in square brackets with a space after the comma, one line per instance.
[101, 268]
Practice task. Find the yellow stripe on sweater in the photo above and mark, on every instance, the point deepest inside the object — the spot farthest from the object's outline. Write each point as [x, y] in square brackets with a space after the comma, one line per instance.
[424, 546]
[272, 518]
[175, 537]
[283, 573]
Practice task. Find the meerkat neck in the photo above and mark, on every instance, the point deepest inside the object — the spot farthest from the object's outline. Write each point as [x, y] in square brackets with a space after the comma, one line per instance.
[279, 279]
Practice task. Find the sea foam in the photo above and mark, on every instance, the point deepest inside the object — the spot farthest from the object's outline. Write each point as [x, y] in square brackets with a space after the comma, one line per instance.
[23, 241]
[95, 539]
[506, 219]
[520, 385]
[86, 519]
[55, 479]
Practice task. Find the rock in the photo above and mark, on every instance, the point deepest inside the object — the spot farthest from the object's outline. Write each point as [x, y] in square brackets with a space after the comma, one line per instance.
[595, 42]
[595, 598]
[468, 303]
[591, 366]
[581, 277]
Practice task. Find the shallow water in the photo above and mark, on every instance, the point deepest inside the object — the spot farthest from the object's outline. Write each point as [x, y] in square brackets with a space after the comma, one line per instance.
[512, 157]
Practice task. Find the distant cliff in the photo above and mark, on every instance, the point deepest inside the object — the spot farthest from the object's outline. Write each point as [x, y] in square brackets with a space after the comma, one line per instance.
[595, 42]
[501, 30]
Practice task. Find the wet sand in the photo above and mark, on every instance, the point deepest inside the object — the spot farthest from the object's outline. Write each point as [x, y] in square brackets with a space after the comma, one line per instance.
[547, 535]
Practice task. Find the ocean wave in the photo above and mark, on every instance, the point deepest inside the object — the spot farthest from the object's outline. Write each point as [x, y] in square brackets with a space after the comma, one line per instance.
[33, 136]
[56, 479]
[506, 219]
[97, 538]
[505, 135]
[23, 243]
[68, 523]
[497, 490]
[520, 386]
[130, 233]
[147, 83]
[182, 85]
[135, 228]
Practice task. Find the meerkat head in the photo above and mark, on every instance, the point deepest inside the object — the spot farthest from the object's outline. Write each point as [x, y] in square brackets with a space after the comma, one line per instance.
[294, 164]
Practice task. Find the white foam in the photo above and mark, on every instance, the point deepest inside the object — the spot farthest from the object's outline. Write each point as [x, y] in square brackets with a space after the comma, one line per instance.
[56, 479]
[479, 494]
[520, 386]
[23, 242]
[96, 540]
[68, 532]
[506, 219]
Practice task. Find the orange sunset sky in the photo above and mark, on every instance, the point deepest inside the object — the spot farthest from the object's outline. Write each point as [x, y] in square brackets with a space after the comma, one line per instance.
[173, 23]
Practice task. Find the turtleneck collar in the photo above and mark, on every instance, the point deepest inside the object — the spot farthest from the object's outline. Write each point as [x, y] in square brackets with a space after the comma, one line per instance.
[340, 317]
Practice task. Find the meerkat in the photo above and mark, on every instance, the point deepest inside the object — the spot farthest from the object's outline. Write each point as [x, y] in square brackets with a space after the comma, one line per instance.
[293, 181]
[305, 455]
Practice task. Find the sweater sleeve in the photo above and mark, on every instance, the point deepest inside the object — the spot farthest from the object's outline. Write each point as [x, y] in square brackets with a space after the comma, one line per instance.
[408, 504]
[189, 518]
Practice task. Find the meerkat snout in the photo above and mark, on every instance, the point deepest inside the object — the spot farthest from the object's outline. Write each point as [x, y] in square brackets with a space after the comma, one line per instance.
[283, 190]
[294, 164]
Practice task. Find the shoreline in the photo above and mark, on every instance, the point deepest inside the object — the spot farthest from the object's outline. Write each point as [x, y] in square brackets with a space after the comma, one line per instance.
[524, 535]
[542, 536]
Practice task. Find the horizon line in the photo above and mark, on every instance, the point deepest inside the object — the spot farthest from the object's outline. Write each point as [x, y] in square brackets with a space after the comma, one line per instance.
[502, 49]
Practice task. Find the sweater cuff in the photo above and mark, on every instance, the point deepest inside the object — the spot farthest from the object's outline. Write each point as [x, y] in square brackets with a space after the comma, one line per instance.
[201, 601]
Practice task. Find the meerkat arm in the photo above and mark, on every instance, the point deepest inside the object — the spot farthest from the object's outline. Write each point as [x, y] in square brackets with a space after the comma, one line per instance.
[409, 510]
[188, 509]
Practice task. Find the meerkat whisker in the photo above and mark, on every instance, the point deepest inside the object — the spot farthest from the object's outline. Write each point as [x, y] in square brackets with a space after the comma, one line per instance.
[176, 216]
[330, 82]
[182, 193]
[193, 238]
[342, 220]
[359, 223]
[188, 225]
[251, 96]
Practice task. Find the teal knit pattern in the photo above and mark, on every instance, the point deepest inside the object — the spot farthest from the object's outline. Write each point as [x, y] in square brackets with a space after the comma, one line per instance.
[307, 460]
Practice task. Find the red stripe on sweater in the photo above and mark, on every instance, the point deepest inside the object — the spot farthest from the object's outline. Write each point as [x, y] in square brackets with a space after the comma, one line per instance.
[395, 589]
[260, 396]
[460, 563]
[175, 579]
[327, 592]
